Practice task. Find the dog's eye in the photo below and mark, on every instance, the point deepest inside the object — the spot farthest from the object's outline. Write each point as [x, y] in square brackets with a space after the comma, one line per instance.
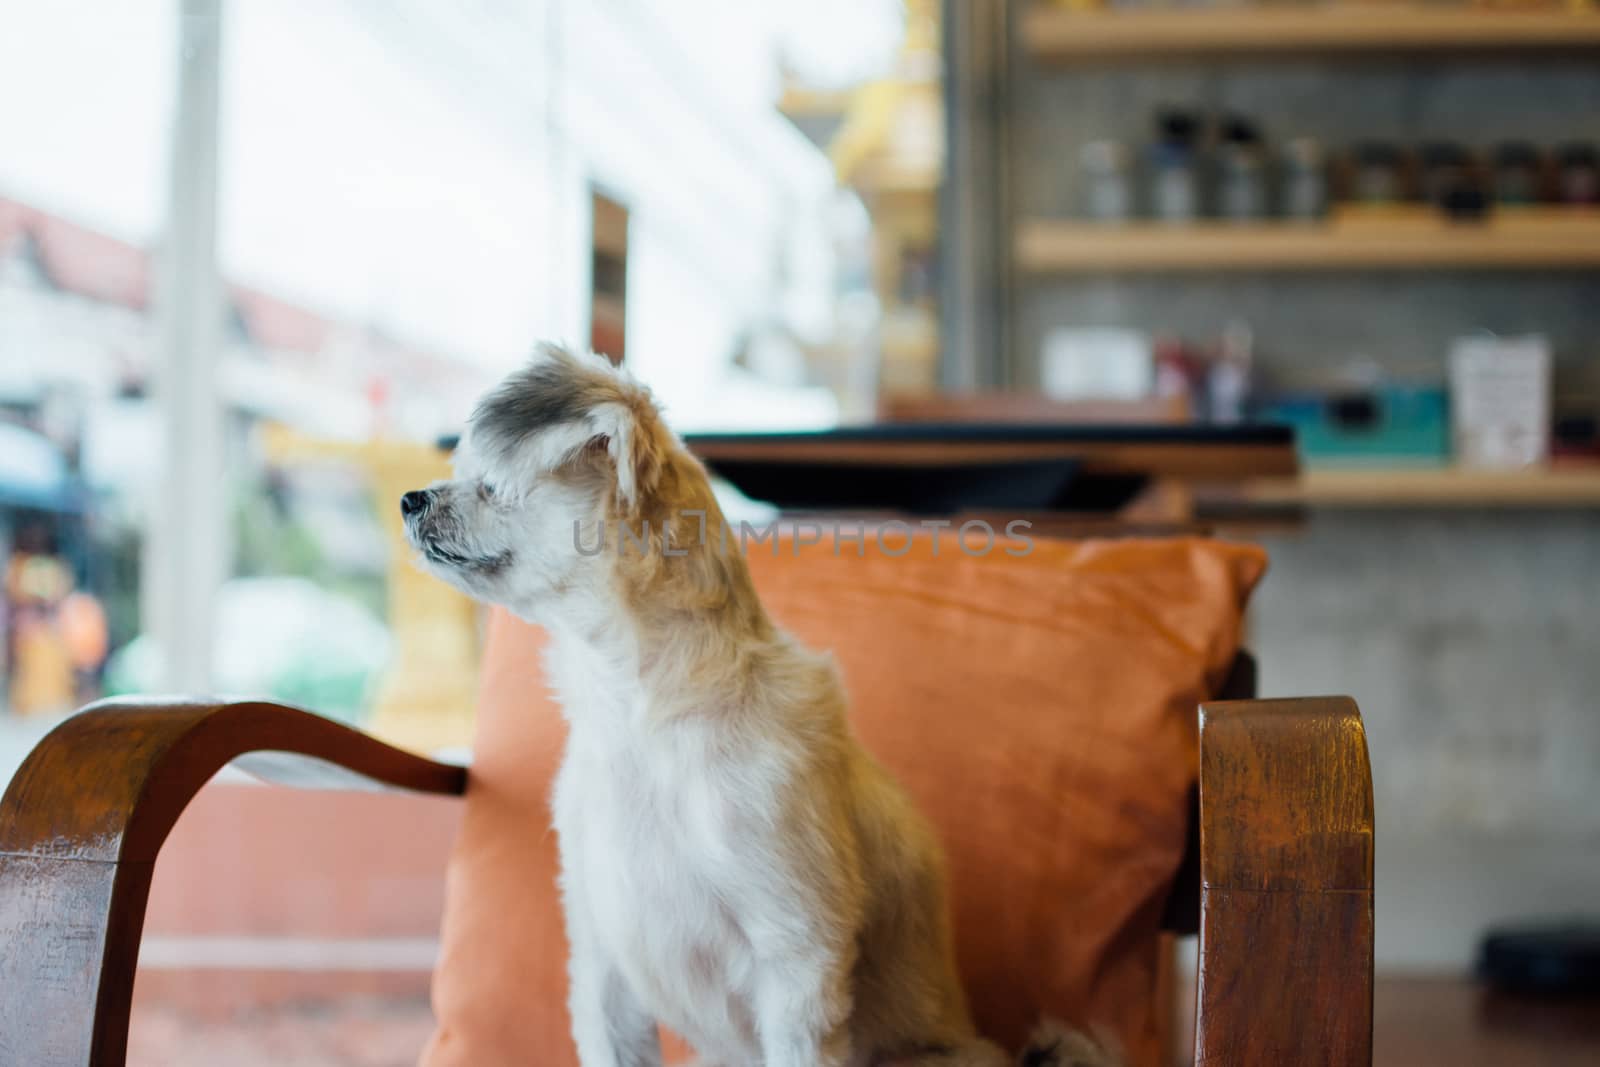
[485, 491]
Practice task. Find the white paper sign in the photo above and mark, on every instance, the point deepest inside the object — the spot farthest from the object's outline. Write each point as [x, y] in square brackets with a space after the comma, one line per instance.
[1096, 364]
[1500, 401]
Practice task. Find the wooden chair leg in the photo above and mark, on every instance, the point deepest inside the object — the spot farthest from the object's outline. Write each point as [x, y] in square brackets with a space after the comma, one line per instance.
[71, 928]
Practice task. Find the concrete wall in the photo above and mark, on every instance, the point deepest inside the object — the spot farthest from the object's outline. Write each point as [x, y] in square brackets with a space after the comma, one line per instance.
[1471, 641]
[1472, 644]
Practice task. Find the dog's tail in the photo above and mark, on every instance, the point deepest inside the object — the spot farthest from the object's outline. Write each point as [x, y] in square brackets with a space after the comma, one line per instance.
[1055, 1044]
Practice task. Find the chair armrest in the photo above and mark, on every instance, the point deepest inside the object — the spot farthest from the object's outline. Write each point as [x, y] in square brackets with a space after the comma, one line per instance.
[80, 827]
[1286, 855]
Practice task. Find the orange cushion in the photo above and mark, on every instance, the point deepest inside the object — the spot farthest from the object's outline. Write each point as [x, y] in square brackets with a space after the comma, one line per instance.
[1040, 709]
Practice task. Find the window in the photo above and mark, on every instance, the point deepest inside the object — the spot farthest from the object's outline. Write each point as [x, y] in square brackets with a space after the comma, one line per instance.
[206, 422]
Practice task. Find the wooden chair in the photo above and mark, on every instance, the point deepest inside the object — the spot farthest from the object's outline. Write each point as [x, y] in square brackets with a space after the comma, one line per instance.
[1277, 882]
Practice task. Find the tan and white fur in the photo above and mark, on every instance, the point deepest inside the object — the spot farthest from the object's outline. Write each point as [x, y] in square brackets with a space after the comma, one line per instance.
[734, 864]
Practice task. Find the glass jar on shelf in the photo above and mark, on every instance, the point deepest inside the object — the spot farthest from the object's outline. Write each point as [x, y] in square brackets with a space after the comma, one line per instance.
[1446, 171]
[1107, 181]
[1580, 174]
[1241, 172]
[1516, 174]
[1175, 168]
[1377, 177]
[1305, 180]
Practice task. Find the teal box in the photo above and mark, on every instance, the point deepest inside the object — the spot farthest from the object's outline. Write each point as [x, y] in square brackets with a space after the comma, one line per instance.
[1387, 425]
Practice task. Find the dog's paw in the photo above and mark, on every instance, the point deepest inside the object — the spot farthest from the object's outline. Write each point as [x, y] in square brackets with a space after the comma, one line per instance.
[1055, 1044]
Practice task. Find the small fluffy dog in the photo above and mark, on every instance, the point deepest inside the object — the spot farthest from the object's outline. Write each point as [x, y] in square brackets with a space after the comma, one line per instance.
[734, 864]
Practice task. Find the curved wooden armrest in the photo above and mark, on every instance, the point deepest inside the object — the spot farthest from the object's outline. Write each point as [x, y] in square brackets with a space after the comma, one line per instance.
[80, 826]
[1286, 854]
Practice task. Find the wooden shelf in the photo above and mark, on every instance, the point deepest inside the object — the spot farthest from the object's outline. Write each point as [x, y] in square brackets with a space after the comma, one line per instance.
[1424, 488]
[1054, 34]
[1535, 240]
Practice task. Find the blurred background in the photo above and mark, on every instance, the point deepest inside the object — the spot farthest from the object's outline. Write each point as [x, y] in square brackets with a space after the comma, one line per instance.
[257, 258]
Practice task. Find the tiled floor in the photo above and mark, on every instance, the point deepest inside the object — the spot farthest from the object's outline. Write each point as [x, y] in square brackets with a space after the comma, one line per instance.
[1441, 1022]
[1419, 1023]
[1422, 1023]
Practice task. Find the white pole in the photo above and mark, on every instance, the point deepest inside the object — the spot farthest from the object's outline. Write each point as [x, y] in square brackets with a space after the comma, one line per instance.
[186, 547]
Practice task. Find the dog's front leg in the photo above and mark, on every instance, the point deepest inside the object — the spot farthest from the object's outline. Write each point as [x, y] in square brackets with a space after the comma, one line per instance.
[608, 1025]
[803, 1011]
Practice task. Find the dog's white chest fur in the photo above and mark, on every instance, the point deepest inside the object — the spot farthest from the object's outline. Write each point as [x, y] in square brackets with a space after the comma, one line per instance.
[652, 856]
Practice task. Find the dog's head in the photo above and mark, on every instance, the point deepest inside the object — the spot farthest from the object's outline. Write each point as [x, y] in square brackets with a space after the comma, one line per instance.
[562, 449]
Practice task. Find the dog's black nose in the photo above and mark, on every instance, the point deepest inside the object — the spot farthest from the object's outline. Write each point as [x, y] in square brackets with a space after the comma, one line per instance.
[413, 502]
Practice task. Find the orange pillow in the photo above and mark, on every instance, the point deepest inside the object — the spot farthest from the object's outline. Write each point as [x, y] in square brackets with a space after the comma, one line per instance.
[1040, 710]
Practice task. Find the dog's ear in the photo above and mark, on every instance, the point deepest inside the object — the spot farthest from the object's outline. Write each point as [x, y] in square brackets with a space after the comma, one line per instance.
[629, 430]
